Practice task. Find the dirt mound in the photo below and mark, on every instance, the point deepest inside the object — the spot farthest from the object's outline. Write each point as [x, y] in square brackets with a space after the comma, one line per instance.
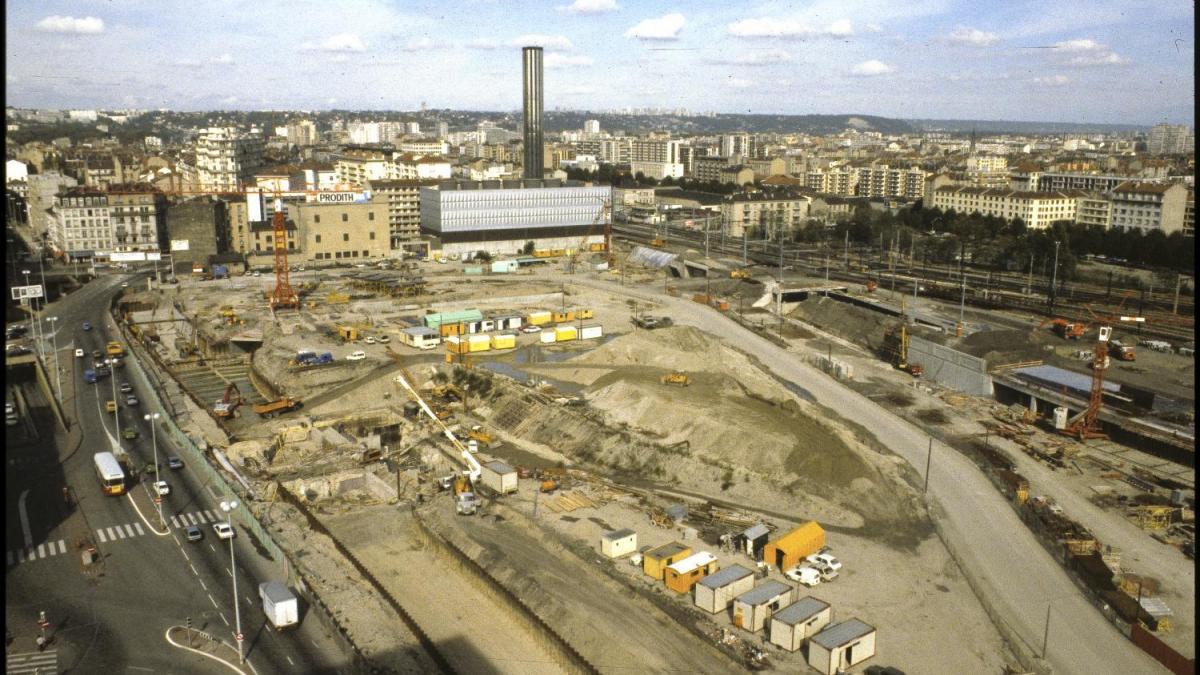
[857, 324]
[1002, 346]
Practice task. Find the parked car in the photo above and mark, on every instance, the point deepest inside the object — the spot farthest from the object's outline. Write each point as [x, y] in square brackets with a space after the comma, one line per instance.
[110, 406]
[9, 408]
[383, 339]
[97, 354]
[129, 433]
[827, 573]
[79, 354]
[193, 533]
[162, 488]
[370, 340]
[805, 575]
[824, 558]
[224, 531]
[126, 387]
[357, 355]
[87, 325]
[530, 329]
[174, 462]
[131, 400]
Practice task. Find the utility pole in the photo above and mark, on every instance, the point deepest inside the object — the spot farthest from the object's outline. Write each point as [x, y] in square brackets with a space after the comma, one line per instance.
[744, 244]
[928, 462]
[1029, 280]
[847, 250]
[962, 304]
[1178, 283]
[1054, 277]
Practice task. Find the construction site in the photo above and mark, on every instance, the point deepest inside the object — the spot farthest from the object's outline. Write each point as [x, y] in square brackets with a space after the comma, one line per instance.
[536, 471]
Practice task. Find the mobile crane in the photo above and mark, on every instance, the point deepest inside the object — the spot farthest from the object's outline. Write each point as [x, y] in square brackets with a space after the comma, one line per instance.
[465, 502]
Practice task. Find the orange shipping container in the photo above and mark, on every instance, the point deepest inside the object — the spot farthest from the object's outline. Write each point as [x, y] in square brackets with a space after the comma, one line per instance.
[788, 550]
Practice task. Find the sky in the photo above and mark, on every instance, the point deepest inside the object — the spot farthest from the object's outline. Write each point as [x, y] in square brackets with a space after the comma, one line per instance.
[1091, 61]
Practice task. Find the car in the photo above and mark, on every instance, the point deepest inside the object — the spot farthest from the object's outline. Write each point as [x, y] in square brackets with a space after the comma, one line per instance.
[224, 531]
[130, 433]
[111, 406]
[131, 400]
[174, 462]
[530, 329]
[18, 350]
[87, 325]
[11, 420]
[193, 533]
[357, 355]
[9, 409]
[369, 340]
[805, 575]
[383, 339]
[126, 387]
[97, 354]
[124, 284]
[79, 354]
[162, 488]
[360, 264]
[827, 573]
[825, 559]
[257, 273]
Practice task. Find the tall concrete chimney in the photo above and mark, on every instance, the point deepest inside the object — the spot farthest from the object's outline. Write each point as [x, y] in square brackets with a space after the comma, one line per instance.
[531, 69]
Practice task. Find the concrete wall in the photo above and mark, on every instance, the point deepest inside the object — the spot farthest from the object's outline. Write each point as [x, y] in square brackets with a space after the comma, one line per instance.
[950, 367]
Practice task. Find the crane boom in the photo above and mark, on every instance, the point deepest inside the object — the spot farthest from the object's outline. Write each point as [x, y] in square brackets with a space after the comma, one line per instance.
[474, 470]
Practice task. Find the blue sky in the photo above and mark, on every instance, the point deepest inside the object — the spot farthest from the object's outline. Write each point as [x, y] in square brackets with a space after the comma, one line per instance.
[1116, 61]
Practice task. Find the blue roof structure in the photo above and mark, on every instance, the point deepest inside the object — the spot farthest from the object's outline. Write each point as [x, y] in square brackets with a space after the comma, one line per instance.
[1057, 378]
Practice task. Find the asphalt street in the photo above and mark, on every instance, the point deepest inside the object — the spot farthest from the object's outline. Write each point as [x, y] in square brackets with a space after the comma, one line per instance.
[1023, 582]
[113, 614]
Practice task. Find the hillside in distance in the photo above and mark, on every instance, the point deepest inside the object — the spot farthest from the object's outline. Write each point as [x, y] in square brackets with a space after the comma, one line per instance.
[727, 123]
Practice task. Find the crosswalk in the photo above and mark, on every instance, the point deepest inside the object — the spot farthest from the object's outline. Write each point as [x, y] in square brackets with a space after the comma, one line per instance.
[126, 531]
[43, 550]
[196, 518]
[32, 662]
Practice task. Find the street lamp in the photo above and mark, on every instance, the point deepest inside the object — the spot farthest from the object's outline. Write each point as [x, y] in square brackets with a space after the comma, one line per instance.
[33, 317]
[112, 375]
[54, 338]
[228, 508]
[1054, 276]
[152, 418]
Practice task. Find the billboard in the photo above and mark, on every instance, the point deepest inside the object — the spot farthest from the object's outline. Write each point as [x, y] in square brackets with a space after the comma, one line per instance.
[342, 197]
[24, 292]
[127, 256]
[179, 244]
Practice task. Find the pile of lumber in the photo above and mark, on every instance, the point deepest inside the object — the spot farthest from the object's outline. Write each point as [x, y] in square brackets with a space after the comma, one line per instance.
[570, 501]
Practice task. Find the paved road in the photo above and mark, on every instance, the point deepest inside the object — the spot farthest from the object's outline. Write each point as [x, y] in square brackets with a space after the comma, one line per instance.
[1020, 578]
[147, 581]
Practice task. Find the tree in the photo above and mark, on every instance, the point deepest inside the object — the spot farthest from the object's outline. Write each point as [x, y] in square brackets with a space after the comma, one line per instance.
[528, 250]
[483, 256]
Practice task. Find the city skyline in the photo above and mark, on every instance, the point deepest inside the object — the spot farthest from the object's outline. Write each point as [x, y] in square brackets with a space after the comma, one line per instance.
[1095, 62]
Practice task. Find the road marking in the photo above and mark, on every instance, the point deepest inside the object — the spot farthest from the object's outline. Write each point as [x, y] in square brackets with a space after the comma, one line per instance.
[202, 584]
[214, 602]
[175, 522]
[25, 518]
[248, 601]
[200, 517]
[290, 661]
[191, 520]
[101, 537]
[62, 546]
[209, 514]
[224, 619]
[42, 550]
[129, 529]
[120, 532]
[32, 662]
[193, 569]
[138, 527]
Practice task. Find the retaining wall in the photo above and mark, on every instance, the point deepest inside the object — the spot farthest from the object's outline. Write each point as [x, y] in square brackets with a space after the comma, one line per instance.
[951, 367]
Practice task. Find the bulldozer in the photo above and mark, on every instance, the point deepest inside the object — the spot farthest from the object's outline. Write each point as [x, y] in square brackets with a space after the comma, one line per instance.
[478, 434]
[739, 274]
[678, 379]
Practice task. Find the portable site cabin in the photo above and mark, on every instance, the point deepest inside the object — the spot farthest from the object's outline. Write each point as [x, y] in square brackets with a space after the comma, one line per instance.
[841, 646]
[420, 337]
[508, 322]
[436, 319]
[752, 608]
[565, 333]
[591, 331]
[499, 476]
[504, 341]
[788, 550]
[799, 621]
[682, 575]
[504, 266]
[539, 318]
[714, 591]
[655, 561]
[617, 543]
[547, 335]
[752, 541]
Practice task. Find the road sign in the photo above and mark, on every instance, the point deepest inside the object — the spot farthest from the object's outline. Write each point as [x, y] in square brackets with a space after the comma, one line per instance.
[158, 500]
[240, 637]
[24, 292]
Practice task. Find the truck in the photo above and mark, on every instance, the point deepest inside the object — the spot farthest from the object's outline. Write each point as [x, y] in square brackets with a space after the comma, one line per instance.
[277, 407]
[279, 604]
[114, 348]
[1121, 352]
[311, 359]
[89, 376]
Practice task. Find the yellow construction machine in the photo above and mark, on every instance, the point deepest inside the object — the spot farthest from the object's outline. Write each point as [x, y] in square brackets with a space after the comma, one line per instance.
[678, 379]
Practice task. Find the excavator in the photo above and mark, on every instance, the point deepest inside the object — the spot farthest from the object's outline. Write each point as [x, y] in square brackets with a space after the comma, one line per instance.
[465, 503]
[897, 339]
[229, 402]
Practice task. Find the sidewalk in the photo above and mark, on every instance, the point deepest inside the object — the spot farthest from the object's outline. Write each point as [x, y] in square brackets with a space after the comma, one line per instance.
[206, 645]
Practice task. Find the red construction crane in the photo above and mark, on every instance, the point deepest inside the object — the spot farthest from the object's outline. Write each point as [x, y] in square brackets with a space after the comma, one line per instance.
[1086, 424]
[283, 295]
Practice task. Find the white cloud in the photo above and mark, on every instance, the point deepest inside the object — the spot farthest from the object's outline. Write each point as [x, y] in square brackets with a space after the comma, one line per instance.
[330, 101]
[69, 24]
[229, 100]
[590, 7]
[224, 59]
[763, 58]
[973, 36]
[1053, 80]
[188, 63]
[342, 42]
[788, 28]
[339, 58]
[1084, 45]
[557, 60]
[1099, 59]
[739, 83]
[579, 89]
[482, 43]
[421, 45]
[544, 41]
[874, 28]
[663, 28]
[871, 68]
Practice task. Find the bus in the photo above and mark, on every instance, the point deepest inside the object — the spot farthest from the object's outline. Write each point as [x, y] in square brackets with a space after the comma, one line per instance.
[115, 349]
[110, 473]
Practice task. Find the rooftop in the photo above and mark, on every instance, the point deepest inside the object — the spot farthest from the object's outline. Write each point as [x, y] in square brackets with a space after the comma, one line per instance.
[499, 467]
[764, 593]
[667, 550]
[840, 633]
[617, 534]
[800, 610]
[692, 562]
[725, 577]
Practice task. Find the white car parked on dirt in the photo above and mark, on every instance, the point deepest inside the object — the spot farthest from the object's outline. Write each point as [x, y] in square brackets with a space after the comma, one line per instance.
[804, 575]
[357, 355]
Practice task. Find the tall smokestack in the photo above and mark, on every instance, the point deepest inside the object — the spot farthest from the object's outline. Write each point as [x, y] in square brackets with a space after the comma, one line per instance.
[531, 69]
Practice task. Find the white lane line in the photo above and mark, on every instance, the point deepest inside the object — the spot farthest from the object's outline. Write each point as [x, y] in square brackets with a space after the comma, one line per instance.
[290, 661]
[209, 514]
[224, 619]
[214, 602]
[129, 529]
[193, 569]
[202, 585]
[100, 535]
[120, 532]
[200, 517]
[41, 550]
[25, 529]
[214, 548]
[228, 572]
[138, 527]
[175, 522]
[150, 527]
[248, 601]
[112, 535]
[62, 546]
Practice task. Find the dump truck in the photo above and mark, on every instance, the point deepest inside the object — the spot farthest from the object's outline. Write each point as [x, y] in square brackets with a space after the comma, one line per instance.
[277, 407]
[1121, 352]
[478, 434]
[739, 274]
[464, 496]
[279, 604]
[679, 379]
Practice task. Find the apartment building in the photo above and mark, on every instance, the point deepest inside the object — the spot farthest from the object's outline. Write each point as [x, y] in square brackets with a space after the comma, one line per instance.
[410, 166]
[424, 147]
[833, 181]
[302, 133]
[1149, 206]
[709, 167]
[80, 224]
[342, 232]
[356, 166]
[1094, 210]
[197, 229]
[773, 215]
[1170, 139]
[137, 214]
[1189, 217]
[1037, 209]
[402, 199]
[226, 158]
[881, 180]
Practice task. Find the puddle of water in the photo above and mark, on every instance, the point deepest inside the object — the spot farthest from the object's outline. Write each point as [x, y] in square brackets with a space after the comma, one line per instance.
[503, 368]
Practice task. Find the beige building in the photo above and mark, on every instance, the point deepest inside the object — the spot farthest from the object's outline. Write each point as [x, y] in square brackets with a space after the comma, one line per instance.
[737, 175]
[1149, 206]
[1037, 209]
[225, 158]
[1094, 210]
[764, 213]
[138, 216]
[403, 201]
[832, 181]
[709, 167]
[80, 222]
[343, 232]
[356, 166]
[241, 239]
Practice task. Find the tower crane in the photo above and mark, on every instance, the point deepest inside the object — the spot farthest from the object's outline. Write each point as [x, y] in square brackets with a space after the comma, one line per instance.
[1086, 424]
